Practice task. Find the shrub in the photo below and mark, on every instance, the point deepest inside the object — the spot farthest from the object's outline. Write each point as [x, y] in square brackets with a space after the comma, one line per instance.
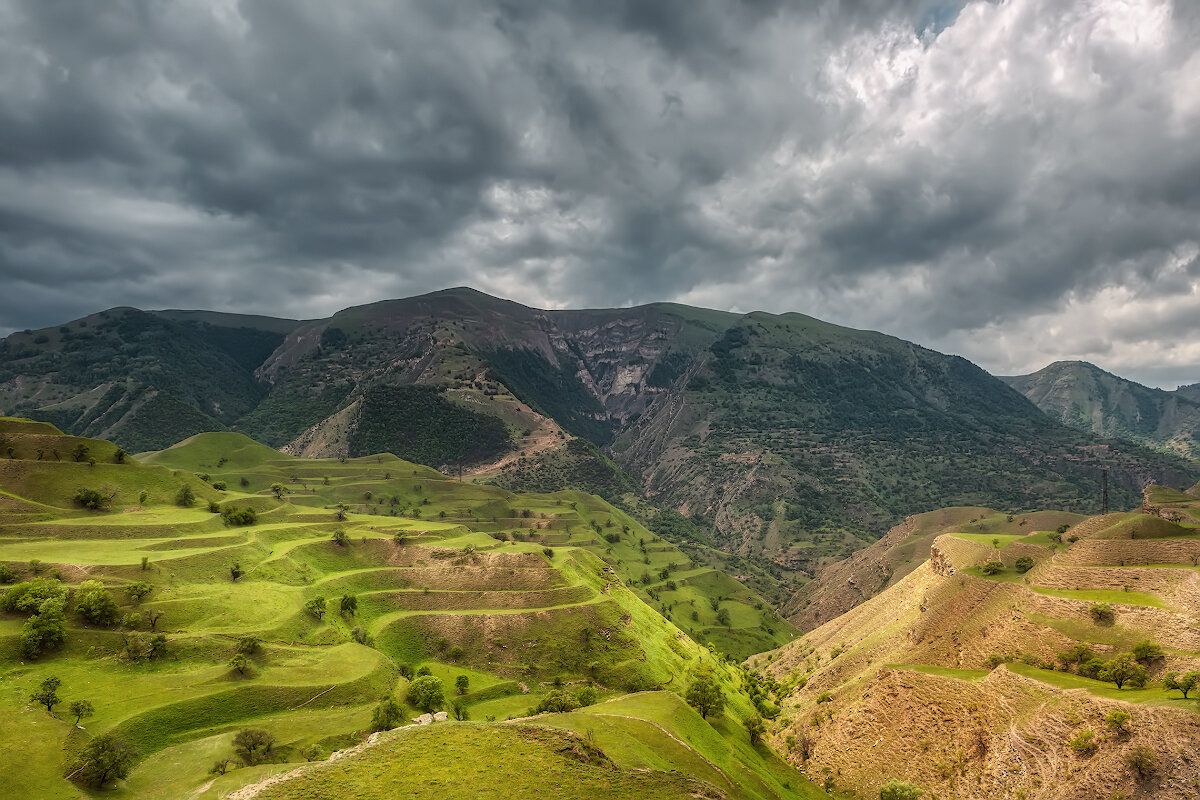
[548, 552]
[586, 696]
[899, 790]
[1147, 651]
[557, 702]
[755, 728]
[235, 517]
[1079, 654]
[96, 604]
[6, 574]
[1024, 564]
[349, 604]
[1102, 613]
[1084, 743]
[1091, 668]
[340, 538]
[993, 567]
[823, 697]
[456, 653]
[1142, 761]
[138, 590]
[1118, 721]
[94, 499]
[387, 715]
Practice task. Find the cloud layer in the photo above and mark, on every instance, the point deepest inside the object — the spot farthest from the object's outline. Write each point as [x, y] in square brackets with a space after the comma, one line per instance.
[1015, 181]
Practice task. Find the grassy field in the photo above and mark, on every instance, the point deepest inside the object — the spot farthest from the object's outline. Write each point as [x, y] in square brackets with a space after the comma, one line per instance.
[516, 593]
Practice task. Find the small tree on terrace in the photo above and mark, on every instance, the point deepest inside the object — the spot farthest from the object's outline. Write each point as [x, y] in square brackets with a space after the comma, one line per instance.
[279, 490]
[704, 694]
[349, 604]
[426, 693]
[1185, 683]
[1122, 670]
[461, 683]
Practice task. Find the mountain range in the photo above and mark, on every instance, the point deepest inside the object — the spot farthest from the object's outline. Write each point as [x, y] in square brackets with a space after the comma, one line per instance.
[780, 440]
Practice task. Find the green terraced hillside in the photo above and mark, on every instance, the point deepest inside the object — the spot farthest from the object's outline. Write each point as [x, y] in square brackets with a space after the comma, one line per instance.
[219, 585]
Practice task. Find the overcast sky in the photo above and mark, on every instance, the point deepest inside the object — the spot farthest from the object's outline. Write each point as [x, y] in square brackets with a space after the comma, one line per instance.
[1017, 181]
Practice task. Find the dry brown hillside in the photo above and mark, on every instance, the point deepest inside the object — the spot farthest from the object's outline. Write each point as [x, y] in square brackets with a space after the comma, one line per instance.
[955, 680]
[844, 584]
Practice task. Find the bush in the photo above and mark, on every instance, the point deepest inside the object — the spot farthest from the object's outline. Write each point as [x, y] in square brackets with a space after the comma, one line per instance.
[1118, 721]
[1024, 564]
[235, 517]
[1084, 743]
[1147, 651]
[6, 574]
[96, 604]
[557, 701]
[899, 790]
[316, 607]
[993, 568]
[387, 715]
[93, 499]
[1102, 613]
[1142, 761]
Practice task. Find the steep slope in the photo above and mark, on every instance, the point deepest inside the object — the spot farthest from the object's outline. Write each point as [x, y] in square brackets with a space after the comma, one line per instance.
[143, 379]
[969, 684]
[799, 440]
[1086, 397]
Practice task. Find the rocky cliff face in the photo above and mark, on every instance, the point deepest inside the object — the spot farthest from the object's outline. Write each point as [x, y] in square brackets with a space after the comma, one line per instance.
[1088, 398]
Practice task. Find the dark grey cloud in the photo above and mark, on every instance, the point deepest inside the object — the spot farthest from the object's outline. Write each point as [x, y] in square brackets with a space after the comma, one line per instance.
[1016, 181]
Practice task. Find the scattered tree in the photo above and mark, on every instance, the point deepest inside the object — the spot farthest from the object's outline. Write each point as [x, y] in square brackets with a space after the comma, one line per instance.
[1183, 683]
[1102, 613]
[1084, 743]
[219, 767]
[340, 538]
[349, 604]
[94, 499]
[316, 607]
[993, 567]
[235, 571]
[1122, 670]
[81, 709]
[426, 693]
[47, 693]
[106, 758]
[1024, 564]
[138, 590]
[96, 604]
[461, 683]
[185, 497]
[279, 490]
[240, 663]
[253, 746]
[756, 728]
[388, 714]
[704, 694]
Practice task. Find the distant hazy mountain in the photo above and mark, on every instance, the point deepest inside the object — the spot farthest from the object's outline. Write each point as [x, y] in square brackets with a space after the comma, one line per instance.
[1086, 397]
[780, 438]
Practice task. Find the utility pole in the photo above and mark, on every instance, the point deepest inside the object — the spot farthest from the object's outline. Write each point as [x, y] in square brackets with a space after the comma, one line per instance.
[1104, 501]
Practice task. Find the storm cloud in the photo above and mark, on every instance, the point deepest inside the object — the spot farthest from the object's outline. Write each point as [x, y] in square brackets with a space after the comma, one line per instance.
[1014, 181]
